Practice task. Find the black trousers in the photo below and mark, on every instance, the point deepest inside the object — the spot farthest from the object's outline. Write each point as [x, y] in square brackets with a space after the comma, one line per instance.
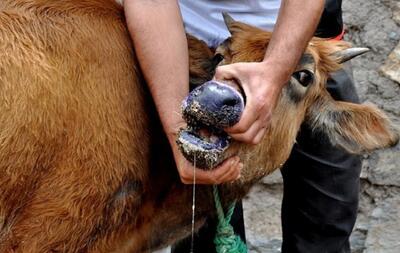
[321, 187]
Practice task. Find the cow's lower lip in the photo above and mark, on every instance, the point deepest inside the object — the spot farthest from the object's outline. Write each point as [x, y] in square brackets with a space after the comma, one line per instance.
[205, 152]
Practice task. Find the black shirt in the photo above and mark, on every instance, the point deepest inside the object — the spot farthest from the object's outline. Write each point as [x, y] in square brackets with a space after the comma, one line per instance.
[331, 22]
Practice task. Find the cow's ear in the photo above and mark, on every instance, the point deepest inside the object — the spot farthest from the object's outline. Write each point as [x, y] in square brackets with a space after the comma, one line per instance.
[357, 128]
[232, 25]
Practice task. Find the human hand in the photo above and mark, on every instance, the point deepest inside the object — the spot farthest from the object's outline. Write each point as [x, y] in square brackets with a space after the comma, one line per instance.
[227, 171]
[262, 86]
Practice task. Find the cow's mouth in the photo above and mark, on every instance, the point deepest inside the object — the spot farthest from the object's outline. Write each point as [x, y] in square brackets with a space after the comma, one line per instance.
[207, 110]
[203, 147]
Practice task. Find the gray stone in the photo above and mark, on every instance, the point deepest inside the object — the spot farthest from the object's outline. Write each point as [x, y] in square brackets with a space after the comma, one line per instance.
[383, 238]
[262, 210]
[262, 218]
[383, 235]
[396, 13]
[357, 241]
[387, 170]
[392, 65]
[264, 246]
[274, 178]
[394, 35]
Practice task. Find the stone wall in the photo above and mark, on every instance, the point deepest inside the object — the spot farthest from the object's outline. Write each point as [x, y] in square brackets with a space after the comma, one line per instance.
[374, 24]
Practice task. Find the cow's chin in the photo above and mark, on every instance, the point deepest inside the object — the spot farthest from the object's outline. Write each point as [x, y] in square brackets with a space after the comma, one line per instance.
[203, 146]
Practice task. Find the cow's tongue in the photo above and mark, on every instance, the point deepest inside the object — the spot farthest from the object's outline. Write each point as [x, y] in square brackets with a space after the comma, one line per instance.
[208, 136]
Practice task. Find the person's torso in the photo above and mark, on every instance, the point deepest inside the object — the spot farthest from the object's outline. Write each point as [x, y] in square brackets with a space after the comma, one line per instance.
[203, 19]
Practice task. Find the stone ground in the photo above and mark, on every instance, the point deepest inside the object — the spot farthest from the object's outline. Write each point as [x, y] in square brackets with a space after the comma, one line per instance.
[374, 24]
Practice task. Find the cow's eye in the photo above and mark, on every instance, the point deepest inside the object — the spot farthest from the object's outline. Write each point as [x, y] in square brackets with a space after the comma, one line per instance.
[304, 77]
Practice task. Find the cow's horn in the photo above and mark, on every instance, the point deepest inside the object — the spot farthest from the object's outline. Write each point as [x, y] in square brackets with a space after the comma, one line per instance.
[349, 53]
[228, 21]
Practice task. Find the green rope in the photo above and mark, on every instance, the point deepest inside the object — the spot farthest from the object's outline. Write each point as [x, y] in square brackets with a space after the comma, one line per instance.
[225, 239]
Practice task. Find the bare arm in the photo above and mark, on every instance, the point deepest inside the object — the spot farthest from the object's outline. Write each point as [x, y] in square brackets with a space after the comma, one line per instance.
[159, 39]
[263, 82]
[294, 28]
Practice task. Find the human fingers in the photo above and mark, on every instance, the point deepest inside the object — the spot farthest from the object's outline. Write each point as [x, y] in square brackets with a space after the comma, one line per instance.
[258, 138]
[226, 172]
[208, 176]
[226, 72]
[190, 175]
[248, 118]
[256, 107]
[256, 131]
[249, 135]
[227, 175]
[233, 175]
[255, 103]
[223, 176]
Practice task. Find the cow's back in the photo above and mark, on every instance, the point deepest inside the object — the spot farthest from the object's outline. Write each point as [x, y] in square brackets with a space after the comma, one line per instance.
[72, 113]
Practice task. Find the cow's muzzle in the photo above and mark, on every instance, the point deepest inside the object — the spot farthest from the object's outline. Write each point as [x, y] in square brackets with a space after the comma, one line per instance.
[208, 109]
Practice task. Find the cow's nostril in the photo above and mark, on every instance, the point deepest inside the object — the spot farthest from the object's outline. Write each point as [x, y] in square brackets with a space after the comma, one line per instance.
[231, 101]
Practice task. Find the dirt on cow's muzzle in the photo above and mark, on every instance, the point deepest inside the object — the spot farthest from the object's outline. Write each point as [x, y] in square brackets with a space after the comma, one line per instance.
[208, 109]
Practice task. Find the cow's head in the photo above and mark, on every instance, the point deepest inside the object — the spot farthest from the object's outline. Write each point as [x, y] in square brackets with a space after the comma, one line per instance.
[356, 128]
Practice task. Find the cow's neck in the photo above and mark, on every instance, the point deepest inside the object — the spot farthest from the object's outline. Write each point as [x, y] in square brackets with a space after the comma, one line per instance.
[262, 159]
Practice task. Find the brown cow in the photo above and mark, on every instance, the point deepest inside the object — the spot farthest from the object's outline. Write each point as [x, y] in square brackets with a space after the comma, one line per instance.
[84, 164]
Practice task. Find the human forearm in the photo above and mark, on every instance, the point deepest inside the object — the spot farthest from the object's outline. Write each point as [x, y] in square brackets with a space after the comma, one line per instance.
[295, 26]
[158, 36]
[161, 47]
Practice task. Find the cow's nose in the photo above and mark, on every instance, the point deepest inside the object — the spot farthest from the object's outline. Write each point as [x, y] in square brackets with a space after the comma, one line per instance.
[215, 97]
[214, 103]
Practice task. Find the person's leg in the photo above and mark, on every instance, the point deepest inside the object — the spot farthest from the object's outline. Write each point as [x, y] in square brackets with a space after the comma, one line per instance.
[321, 187]
[204, 239]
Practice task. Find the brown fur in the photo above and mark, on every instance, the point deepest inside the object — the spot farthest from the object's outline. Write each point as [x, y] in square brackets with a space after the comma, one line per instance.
[84, 164]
